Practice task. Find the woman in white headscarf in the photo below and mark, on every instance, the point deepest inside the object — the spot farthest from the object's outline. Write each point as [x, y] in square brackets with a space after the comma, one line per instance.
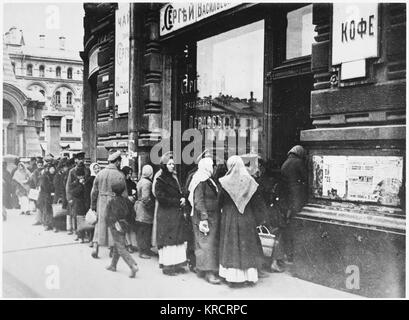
[21, 178]
[242, 210]
[205, 219]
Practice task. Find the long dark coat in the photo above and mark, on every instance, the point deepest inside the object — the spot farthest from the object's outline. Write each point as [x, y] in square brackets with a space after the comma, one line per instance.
[89, 181]
[44, 202]
[205, 208]
[240, 245]
[78, 198]
[170, 220]
[59, 182]
[295, 177]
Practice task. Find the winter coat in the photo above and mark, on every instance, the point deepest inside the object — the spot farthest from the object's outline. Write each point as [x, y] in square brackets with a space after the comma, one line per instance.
[100, 195]
[60, 180]
[295, 177]
[170, 220]
[206, 208]
[78, 198]
[120, 209]
[145, 204]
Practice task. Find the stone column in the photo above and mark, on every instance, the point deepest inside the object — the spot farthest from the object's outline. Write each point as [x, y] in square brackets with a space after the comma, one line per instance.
[52, 133]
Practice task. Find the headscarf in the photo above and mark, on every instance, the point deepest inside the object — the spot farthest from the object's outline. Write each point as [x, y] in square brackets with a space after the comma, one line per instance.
[238, 183]
[147, 172]
[164, 169]
[91, 168]
[22, 174]
[204, 172]
[298, 150]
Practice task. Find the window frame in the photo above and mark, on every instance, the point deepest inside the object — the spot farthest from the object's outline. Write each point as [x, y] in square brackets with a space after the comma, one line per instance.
[57, 94]
[68, 125]
[41, 71]
[69, 73]
[69, 94]
[58, 72]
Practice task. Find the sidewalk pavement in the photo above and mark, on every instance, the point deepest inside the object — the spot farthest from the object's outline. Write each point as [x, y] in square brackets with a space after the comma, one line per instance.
[44, 264]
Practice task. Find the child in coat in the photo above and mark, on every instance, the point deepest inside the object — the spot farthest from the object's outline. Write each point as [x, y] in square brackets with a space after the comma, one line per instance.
[119, 217]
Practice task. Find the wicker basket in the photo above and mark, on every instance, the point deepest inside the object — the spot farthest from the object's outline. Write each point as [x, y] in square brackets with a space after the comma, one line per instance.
[268, 240]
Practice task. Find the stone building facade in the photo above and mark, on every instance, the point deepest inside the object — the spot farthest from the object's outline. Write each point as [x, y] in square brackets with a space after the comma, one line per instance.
[331, 77]
[56, 74]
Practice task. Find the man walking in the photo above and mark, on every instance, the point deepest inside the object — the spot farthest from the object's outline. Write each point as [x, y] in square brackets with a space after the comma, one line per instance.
[101, 194]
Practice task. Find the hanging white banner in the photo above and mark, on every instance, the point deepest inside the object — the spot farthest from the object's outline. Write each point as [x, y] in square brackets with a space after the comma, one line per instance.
[122, 28]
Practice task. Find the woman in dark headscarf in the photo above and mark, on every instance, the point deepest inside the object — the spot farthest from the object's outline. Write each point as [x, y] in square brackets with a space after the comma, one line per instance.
[242, 210]
[170, 220]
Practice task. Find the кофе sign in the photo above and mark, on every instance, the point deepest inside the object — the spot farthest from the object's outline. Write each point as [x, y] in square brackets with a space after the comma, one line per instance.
[354, 32]
[174, 16]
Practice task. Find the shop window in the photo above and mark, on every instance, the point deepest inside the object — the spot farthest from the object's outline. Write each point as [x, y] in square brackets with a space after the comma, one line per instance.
[57, 97]
[41, 71]
[300, 32]
[58, 72]
[69, 98]
[69, 73]
[68, 125]
[30, 70]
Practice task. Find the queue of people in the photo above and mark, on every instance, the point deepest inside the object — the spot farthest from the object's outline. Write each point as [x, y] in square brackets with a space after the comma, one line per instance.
[209, 223]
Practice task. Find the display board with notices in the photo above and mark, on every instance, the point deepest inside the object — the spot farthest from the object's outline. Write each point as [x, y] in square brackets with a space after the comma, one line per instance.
[375, 179]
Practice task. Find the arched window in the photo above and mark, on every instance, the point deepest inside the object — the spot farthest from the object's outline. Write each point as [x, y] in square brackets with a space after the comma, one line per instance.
[42, 92]
[13, 65]
[57, 97]
[69, 73]
[69, 98]
[41, 71]
[30, 70]
[58, 72]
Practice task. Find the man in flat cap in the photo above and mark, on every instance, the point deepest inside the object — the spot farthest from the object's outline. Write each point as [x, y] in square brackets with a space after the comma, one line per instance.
[72, 176]
[101, 194]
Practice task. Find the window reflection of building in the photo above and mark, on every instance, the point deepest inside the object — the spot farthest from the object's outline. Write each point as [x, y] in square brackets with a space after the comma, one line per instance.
[300, 32]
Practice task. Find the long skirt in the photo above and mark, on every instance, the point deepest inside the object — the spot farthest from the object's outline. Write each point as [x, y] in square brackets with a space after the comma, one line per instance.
[143, 236]
[238, 275]
[155, 224]
[172, 256]
[24, 203]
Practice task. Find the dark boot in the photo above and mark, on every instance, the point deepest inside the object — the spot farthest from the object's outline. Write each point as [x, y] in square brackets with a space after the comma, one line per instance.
[94, 253]
[134, 270]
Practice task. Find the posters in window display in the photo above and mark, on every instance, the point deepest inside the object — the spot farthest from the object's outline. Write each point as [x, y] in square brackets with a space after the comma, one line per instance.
[374, 179]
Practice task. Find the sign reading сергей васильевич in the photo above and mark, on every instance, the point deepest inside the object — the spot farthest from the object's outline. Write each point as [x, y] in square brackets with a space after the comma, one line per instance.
[175, 16]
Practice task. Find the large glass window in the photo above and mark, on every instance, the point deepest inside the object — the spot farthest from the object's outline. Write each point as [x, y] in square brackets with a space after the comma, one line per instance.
[300, 32]
[229, 72]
